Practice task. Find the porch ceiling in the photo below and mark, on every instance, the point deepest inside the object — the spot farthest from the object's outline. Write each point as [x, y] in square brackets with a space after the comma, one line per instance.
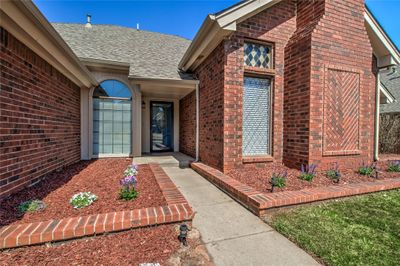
[174, 89]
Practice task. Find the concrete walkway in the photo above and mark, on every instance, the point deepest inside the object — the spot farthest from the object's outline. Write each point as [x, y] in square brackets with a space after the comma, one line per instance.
[232, 234]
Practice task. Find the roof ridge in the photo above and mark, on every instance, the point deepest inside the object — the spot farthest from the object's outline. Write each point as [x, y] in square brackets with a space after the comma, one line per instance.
[124, 27]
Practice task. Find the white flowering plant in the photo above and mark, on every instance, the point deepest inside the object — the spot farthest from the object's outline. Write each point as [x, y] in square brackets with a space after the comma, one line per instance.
[82, 199]
[131, 170]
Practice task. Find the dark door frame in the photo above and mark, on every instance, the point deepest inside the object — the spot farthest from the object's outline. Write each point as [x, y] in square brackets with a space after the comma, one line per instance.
[172, 126]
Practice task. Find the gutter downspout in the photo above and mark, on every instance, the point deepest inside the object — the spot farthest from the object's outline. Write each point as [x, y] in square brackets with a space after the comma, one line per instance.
[377, 104]
[197, 121]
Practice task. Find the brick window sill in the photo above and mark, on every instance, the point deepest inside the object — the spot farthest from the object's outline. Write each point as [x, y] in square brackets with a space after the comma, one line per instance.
[259, 71]
[257, 159]
[337, 153]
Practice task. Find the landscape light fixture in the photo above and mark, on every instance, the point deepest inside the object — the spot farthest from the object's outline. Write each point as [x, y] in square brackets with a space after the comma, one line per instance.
[183, 234]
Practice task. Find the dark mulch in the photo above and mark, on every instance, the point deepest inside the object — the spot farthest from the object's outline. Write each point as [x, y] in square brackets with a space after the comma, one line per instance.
[388, 157]
[258, 178]
[154, 245]
[100, 177]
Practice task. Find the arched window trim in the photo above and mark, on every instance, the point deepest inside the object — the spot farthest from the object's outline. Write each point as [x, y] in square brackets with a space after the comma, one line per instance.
[111, 97]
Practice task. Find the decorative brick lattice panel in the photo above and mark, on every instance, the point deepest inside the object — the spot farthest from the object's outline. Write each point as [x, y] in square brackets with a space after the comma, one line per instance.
[341, 112]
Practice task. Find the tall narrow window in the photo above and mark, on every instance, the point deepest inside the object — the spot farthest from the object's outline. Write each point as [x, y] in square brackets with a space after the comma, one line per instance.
[112, 119]
[256, 116]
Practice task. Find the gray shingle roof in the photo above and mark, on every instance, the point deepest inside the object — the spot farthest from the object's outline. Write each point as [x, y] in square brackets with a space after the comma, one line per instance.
[150, 54]
[391, 81]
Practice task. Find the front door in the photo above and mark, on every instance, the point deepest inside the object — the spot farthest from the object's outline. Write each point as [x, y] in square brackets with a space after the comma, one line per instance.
[161, 124]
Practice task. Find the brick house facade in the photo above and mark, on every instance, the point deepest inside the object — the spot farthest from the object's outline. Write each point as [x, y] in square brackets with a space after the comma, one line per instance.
[318, 88]
[40, 98]
[323, 88]
[40, 116]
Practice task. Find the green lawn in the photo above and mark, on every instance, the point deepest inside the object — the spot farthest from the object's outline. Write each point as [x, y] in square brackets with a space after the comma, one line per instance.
[363, 230]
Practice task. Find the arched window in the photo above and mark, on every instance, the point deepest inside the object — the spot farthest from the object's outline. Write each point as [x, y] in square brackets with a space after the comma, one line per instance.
[112, 119]
[113, 89]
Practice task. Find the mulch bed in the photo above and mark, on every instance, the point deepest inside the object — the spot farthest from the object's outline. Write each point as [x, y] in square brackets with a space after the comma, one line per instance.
[258, 178]
[100, 177]
[145, 245]
[388, 157]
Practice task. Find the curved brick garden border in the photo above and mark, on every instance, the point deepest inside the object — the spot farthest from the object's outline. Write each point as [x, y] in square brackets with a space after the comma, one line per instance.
[259, 202]
[176, 210]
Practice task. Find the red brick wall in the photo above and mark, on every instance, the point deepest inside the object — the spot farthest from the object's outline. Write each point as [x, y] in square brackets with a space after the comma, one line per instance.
[342, 87]
[211, 88]
[39, 117]
[187, 124]
[274, 25]
[297, 84]
[323, 88]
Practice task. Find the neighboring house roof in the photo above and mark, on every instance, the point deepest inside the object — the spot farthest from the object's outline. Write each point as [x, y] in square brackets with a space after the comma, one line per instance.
[217, 26]
[391, 82]
[149, 54]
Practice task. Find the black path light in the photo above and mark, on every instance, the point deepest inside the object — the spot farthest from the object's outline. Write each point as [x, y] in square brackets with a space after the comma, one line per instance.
[377, 171]
[183, 228]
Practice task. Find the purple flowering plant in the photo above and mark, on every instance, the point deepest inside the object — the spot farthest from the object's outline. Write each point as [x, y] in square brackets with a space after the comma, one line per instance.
[129, 182]
[308, 172]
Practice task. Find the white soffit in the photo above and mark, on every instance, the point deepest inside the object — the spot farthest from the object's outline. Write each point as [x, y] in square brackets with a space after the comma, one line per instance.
[384, 41]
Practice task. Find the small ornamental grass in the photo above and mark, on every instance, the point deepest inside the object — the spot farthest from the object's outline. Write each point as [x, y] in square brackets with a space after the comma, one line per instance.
[394, 166]
[278, 180]
[334, 173]
[308, 172]
[128, 183]
[366, 169]
[31, 206]
[82, 199]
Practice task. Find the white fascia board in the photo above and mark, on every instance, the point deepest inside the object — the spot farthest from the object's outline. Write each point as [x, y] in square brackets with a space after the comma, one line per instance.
[229, 18]
[197, 43]
[216, 27]
[385, 92]
[164, 81]
[392, 50]
[105, 65]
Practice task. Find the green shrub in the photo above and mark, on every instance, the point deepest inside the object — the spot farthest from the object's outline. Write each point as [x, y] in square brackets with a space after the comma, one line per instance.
[394, 166]
[31, 206]
[334, 173]
[366, 169]
[278, 180]
[128, 193]
[307, 177]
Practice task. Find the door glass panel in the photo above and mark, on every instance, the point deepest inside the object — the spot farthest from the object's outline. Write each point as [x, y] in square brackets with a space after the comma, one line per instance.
[161, 126]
